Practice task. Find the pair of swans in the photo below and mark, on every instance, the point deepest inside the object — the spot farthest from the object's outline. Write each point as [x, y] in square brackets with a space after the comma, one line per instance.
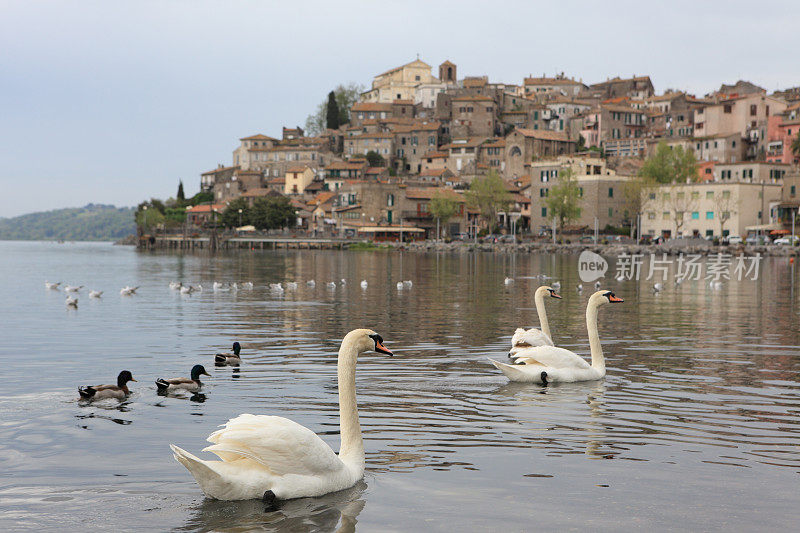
[274, 458]
[537, 360]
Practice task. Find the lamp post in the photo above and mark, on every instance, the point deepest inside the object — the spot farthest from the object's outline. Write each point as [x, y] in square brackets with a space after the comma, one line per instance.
[240, 218]
[144, 208]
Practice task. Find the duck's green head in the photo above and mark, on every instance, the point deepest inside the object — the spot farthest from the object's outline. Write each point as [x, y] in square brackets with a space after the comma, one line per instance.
[124, 377]
[197, 370]
[236, 348]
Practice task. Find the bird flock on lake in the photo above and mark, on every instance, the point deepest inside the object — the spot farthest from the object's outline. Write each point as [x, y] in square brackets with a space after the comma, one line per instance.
[274, 458]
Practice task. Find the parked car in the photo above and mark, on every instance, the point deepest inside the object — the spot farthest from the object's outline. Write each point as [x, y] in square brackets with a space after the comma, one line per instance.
[507, 238]
[491, 238]
[788, 240]
[460, 236]
[756, 239]
[732, 239]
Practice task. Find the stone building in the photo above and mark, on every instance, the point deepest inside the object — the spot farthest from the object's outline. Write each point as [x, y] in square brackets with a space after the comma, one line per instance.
[524, 145]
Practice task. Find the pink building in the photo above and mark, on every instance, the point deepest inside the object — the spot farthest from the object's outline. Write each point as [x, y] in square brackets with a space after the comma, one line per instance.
[782, 129]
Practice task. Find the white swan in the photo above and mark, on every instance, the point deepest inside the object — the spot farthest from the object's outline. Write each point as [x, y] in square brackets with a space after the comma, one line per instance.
[51, 286]
[545, 364]
[524, 339]
[73, 288]
[275, 458]
[311, 283]
[364, 284]
[71, 302]
[508, 281]
[291, 285]
[247, 285]
[127, 290]
[399, 285]
[331, 285]
[95, 294]
[408, 283]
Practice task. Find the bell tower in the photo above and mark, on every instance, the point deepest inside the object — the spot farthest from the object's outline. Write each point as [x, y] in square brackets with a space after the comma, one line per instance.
[447, 72]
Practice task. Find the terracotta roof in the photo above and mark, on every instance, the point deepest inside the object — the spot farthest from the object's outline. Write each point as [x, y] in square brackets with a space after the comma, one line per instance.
[379, 135]
[205, 208]
[544, 135]
[468, 143]
[403, 102]
[259, 137]
[322, 198]
[497, 143]
[436, 155]
[297, 168]
[550, 81]
[417, 126]
[315, 186]
[474, 82]
[377, 170]
[221, 169]
[277, 181]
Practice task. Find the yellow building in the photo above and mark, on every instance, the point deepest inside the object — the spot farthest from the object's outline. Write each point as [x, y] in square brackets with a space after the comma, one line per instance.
[297, 179]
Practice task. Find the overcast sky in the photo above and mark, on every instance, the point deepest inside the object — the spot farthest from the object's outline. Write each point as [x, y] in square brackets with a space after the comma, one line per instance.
[114, 102]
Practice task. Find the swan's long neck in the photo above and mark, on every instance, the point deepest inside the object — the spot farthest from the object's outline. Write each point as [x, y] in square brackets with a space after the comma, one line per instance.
[542, 312]
[352, 447]
[598, 361]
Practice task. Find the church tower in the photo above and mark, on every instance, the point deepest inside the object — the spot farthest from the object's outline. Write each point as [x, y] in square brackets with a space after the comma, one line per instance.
[447, 72]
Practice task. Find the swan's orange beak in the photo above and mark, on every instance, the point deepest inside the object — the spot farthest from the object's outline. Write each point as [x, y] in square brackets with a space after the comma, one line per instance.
[554, 294]
[615, 299]
[380, 348]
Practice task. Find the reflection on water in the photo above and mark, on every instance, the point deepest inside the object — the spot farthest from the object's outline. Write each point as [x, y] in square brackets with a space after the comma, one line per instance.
[699, 413]
[333, 512]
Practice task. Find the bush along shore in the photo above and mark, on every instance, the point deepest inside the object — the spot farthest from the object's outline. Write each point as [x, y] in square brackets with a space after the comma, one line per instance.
[612, 249]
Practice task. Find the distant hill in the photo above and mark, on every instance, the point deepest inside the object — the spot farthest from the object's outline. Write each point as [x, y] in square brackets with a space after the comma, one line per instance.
[94, 222]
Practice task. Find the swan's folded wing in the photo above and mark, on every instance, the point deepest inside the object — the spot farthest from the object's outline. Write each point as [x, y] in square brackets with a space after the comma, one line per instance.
[529, 338]
[551, 356]
[281, 445]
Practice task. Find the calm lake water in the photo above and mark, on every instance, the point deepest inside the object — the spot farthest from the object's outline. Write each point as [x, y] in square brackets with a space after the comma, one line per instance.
[696, 426]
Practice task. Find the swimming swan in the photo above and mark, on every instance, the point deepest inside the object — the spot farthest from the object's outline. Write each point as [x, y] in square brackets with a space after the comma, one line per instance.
[275, 458]
[524, 339]
[545, 364]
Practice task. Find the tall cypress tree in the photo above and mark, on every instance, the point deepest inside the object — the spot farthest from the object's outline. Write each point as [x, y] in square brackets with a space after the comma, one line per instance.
[332, 116]
[180, 196]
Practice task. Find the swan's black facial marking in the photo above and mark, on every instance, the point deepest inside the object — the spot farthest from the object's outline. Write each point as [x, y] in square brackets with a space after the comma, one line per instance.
[379, 347]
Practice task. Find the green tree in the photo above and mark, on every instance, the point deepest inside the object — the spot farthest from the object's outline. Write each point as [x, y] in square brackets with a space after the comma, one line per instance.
[564, 198]
[332, 112]
[346, 96]
[670, 165]
[272, 212]
[489, 195]
[181, 197]
[203, 197]
[230, 217]
[375, 159]
[442, 207]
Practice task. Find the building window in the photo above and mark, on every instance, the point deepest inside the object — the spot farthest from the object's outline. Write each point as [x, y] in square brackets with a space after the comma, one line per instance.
[390, 200]
[695, 195]
[665, 215]
[651, 215]
[726, 194]
[709, 215]
[542, 193]
[753, 110]
[695, 215]
[792, 190]
[611, 192]
[580, 192]
[544, 212]
[610, 211]
[709, 195]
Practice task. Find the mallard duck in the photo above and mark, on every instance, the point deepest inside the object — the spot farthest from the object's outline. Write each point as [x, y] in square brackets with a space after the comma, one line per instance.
[100, 392]
[228, 358]
[189, 384]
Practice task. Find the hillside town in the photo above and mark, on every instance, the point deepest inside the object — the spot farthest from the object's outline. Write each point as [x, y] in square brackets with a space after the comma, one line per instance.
[418, 137]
